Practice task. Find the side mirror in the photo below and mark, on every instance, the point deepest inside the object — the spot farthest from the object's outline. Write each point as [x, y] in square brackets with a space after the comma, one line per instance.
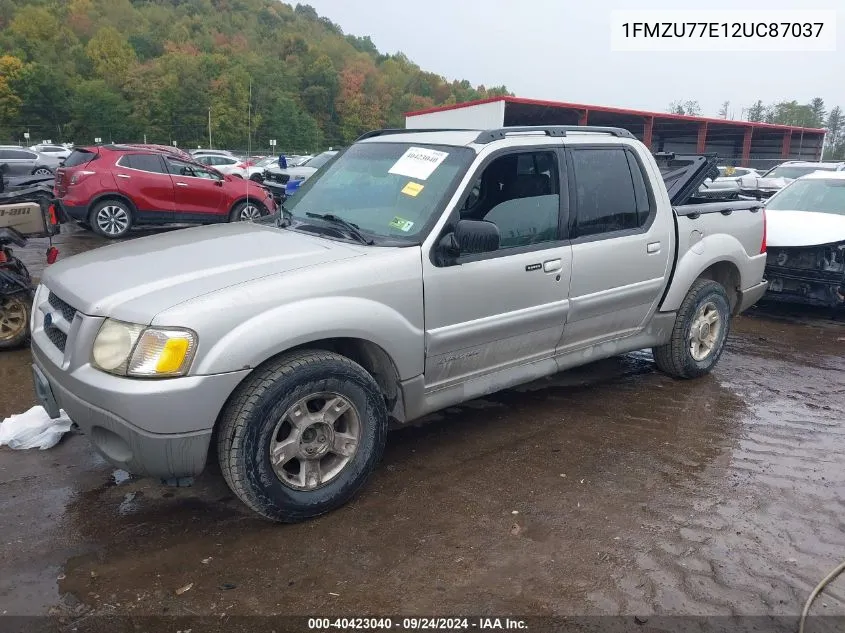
[470, 237]
[476, 236]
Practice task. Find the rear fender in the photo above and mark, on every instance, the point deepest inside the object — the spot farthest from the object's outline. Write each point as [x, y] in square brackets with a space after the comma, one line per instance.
[709, 251]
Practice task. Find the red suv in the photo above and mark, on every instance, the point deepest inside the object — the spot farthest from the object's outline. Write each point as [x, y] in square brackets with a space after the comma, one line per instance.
[110, 188]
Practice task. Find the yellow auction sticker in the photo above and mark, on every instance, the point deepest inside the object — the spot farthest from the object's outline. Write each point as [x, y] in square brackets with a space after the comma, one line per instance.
[412, 189]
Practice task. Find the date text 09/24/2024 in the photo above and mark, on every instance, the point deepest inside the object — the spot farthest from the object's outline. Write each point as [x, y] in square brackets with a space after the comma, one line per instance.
[416, 624]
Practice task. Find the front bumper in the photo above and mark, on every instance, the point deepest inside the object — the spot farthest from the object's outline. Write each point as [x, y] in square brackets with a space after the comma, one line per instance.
[160, 428]
[815, 290]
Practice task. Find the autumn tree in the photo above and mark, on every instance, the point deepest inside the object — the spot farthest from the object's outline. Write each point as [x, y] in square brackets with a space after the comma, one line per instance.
[10, 103]
[111, 55]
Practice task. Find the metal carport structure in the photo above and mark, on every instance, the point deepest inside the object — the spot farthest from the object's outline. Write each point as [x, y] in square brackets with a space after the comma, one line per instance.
[743, 143]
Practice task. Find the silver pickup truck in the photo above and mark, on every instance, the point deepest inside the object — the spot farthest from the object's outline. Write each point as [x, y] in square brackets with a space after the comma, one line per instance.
[417, 270]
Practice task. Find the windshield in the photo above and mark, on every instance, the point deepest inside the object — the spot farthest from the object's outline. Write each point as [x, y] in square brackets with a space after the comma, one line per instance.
[822, 196]
[266, 162]
[389, 190]
[794, 171]
[320, 160]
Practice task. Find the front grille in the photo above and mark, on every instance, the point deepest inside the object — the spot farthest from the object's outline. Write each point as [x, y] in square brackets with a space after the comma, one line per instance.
[58, 338]
[67, 310]
[280, 178]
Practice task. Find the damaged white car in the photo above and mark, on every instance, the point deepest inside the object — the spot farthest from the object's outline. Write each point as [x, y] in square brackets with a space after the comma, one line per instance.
[806, 241]
[778, 177]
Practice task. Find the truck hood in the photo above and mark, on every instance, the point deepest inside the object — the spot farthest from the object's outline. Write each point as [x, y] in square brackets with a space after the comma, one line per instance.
[803, 228]
[135, 280]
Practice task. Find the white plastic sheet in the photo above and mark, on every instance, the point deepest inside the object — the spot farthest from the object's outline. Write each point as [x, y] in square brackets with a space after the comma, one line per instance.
[33, 429]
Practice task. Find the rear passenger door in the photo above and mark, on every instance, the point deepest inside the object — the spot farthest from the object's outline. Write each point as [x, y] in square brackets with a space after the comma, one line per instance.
[143, 178]
[620, 253]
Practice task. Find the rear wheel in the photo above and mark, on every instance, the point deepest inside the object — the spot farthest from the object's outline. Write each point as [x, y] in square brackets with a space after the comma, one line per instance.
[301, 436]
[111, 218]
[14, 319]
[248, 211]
[42, 171]
[700, 331]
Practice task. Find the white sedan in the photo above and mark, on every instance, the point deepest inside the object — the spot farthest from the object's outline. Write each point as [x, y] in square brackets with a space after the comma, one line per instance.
[225, 164]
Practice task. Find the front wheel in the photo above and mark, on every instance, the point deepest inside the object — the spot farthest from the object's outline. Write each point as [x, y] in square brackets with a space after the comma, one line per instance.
[248, 211]
[15, 310]
[700, 331]
[301, 436]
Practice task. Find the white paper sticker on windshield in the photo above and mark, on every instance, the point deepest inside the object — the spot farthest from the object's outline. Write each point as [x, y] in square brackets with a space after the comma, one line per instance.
[418, 163]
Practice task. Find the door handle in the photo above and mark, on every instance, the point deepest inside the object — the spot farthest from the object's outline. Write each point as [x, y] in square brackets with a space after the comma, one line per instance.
[654, 247]
[123, 176]
[181, 184]
[552, 266]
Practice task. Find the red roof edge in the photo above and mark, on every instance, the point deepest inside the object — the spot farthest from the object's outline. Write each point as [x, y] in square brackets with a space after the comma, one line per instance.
[625, 111]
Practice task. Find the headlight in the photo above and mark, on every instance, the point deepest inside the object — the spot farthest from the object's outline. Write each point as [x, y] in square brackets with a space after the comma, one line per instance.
[128, 349]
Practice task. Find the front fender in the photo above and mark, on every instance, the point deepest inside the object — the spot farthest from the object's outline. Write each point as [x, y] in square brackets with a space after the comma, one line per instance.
[308, 320]
[711, 249]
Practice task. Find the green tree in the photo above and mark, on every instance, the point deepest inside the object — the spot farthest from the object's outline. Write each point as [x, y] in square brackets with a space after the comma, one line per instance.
[689, 108]
[819, 111]
[757, 112]
[835, 138]
[99, 110]
[111, 55]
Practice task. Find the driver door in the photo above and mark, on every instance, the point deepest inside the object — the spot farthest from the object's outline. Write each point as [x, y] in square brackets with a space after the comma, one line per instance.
[490, 311]
[198, 191]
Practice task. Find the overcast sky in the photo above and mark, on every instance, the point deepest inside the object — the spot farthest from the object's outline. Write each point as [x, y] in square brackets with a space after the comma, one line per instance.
[560, 50]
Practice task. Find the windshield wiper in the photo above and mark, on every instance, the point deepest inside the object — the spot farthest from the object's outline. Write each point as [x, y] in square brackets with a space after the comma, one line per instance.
[353, 229]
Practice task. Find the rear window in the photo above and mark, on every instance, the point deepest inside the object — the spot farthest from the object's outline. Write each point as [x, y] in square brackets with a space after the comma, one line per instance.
[80, 157]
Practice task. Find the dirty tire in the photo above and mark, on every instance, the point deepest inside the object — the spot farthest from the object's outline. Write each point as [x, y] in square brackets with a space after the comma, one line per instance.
[676, 358]
[111, 218]
[249, 421]
[15, 310]
[247, 211]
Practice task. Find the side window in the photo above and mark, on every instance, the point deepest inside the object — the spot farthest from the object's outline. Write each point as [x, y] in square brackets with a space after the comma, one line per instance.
[520, 194]
[610, 191]
[143, 162]
[181, 168]
[20, 155]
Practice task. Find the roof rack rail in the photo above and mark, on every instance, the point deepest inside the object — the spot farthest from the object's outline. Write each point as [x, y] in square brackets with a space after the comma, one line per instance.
[489, 136]
[388, 131]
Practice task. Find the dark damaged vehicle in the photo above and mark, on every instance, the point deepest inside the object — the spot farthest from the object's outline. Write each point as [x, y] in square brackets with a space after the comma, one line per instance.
[806, 241]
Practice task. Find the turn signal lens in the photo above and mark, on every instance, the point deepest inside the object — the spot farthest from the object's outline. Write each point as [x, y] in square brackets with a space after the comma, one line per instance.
[127, 349]
[163, 352]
